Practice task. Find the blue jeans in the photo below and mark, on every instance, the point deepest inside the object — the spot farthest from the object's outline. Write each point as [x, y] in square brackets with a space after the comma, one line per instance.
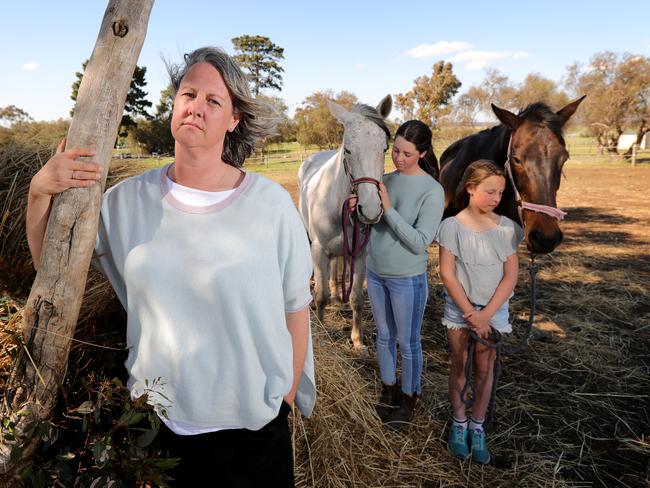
[398, 308]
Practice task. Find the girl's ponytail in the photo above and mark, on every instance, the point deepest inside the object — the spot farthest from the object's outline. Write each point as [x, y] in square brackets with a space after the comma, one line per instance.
[429, 162]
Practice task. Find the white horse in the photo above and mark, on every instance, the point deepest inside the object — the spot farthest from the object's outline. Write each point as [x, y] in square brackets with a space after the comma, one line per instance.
[325, 180]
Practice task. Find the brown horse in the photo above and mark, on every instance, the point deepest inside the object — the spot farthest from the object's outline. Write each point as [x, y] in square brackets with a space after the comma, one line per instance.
[533, 142]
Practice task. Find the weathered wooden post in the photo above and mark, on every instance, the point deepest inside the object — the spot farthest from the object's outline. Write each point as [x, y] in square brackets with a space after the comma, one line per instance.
[52, 309]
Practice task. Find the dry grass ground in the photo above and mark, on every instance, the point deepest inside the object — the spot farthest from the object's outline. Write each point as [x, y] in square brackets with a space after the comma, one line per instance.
[572, 408]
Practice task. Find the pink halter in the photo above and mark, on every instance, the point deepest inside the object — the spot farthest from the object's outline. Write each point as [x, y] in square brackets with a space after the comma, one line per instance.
[521, 205]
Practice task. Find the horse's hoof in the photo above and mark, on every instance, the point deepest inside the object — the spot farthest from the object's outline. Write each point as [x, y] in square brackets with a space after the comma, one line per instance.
[320, 314]
[362, 351]
[335, 302]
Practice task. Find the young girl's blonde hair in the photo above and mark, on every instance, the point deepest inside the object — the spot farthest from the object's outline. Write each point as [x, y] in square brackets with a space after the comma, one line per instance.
[473, 176]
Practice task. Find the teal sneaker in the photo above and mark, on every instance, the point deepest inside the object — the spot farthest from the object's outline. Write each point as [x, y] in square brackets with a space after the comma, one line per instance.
[457, 445]
[480, 453]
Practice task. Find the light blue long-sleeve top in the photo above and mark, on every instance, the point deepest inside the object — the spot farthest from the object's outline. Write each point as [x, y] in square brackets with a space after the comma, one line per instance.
[399, 241]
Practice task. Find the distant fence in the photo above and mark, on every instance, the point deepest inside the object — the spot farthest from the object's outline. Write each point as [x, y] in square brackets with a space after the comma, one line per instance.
[590, 151]
[281, 156]
[580, 148]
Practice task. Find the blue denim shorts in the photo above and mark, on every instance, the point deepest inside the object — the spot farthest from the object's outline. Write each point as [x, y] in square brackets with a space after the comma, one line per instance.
[453, 316]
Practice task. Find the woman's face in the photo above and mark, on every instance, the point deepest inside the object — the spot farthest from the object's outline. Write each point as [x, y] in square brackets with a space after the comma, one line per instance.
[203, 111]
[405, 155]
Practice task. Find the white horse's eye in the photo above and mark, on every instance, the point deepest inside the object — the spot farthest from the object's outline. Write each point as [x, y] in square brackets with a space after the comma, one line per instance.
[346, 150]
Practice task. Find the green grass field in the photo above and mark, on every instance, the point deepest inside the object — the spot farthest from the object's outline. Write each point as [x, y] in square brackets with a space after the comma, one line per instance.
[282, 159]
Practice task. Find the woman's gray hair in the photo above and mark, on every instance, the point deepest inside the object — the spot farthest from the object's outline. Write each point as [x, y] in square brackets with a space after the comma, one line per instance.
[255, 120]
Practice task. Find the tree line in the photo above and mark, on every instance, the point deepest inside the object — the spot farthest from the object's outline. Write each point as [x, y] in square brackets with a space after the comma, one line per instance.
[617, 88]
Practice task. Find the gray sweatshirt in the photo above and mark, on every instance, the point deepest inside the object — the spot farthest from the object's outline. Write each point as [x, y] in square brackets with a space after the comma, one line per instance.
[206, 290]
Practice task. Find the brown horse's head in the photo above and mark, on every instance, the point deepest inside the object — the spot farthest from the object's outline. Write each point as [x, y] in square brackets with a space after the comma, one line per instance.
[537, 155]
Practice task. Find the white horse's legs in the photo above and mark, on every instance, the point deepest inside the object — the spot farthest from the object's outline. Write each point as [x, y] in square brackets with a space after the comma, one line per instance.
[321, 263]
[356, 302]
[335, 296]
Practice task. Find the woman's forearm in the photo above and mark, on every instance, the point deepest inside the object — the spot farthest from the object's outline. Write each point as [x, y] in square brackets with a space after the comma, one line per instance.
[38, 212]
[298, 325]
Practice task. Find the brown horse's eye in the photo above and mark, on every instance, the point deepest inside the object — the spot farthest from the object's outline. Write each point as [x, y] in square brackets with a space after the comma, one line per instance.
[516, 160]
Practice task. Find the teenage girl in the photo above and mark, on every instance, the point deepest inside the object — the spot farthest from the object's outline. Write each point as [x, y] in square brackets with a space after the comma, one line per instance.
[396, 267]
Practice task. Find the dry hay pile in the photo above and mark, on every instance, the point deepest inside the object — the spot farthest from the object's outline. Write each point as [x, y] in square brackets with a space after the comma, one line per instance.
[571, 410]
[17, 165]
[99, 310]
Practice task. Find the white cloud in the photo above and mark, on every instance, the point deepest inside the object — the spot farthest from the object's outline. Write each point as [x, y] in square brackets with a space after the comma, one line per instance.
[476, 64]
[360, 66]
[480, 59]
[437, 49]
[31, 66]
[480, 56]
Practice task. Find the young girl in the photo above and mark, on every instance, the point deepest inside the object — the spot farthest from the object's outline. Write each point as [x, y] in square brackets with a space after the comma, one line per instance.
[396, 274]
[478, 266]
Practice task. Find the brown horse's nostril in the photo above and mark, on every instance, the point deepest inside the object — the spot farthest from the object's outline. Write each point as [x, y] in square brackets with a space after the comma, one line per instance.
[539, 242]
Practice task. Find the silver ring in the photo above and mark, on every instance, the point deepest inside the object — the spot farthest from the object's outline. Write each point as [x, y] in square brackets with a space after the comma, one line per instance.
[72, 177]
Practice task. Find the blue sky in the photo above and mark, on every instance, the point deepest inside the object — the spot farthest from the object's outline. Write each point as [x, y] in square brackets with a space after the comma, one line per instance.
[366, 47]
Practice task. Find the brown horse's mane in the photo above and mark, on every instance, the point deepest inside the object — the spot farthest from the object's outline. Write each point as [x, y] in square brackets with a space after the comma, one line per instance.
[541, 114]
[492, 143]
[480, 146]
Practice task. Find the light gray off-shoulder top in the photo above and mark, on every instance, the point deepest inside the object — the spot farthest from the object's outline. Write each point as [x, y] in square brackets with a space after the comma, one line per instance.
[480, 254]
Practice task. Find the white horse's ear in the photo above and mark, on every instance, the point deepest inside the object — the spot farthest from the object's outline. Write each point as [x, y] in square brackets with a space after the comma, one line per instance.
[338, 111]
[385, 106]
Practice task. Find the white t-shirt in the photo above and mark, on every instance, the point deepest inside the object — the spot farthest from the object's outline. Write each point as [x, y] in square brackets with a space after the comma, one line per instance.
[194, 197]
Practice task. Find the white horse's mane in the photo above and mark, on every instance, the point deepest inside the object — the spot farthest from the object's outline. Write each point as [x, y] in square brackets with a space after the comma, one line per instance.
[372, 114]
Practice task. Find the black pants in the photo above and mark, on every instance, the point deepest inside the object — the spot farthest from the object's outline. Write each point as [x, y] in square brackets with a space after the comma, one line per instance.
[233, 458]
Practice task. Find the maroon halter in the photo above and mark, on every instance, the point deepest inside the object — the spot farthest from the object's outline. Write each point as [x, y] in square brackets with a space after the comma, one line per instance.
[360, 234]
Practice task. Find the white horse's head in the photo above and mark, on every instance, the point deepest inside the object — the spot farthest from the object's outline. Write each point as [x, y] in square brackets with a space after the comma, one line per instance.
[365, 141]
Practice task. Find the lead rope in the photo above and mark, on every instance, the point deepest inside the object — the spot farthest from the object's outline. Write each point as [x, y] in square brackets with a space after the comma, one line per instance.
[351, 253]
[358, 245]
[497, 343]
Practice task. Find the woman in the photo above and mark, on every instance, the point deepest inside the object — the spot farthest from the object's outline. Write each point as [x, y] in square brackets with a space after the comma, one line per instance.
[212, 265]
[396, 267]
